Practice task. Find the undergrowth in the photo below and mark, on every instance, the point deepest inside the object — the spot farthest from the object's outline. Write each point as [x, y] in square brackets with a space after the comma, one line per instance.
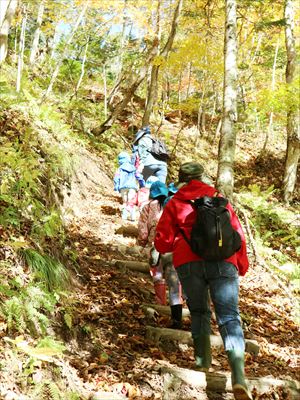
[46, 269]
[277, 231]
[37, 156]
[38, 146]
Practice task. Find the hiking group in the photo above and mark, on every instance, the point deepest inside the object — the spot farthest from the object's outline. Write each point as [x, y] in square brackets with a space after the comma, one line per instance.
[195, 245]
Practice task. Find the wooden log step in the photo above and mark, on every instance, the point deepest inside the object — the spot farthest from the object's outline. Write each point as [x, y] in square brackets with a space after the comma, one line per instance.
[132, 265]
[155, 334]
[128, 230]
[221, 382]
[163, 310]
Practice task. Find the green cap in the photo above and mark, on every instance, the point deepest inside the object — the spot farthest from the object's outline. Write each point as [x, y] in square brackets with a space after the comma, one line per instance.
[190, 170]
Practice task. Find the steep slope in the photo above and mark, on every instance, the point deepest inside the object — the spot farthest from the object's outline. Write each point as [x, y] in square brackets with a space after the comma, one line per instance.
[110, 350]
[95, 337]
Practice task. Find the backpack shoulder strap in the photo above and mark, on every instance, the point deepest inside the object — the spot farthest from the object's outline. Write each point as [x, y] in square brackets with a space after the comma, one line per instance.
[192, 203]
[184, 236]
[137, 140]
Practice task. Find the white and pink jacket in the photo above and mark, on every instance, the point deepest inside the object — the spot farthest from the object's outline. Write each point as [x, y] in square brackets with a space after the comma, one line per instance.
[148, 220]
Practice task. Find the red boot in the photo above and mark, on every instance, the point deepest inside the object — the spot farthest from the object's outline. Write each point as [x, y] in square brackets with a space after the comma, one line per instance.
[160, 292]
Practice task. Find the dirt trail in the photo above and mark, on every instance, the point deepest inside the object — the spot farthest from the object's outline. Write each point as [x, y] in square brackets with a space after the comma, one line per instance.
[107, 342]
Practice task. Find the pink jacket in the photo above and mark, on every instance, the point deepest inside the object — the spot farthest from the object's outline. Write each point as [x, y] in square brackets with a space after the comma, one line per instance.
[180, 214]
[148, 220]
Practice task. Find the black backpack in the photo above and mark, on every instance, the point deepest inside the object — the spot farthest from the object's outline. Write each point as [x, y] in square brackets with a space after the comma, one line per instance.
[213, 238]
[159, 150]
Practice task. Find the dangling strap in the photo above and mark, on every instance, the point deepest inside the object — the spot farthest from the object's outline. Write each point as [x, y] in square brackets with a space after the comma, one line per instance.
[191, 202]
[184, 236]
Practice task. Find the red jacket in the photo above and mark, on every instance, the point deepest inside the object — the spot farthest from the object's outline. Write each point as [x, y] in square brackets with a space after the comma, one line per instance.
[179, 213]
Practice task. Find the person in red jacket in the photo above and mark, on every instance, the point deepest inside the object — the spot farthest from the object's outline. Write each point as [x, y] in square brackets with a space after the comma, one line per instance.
[204, 280]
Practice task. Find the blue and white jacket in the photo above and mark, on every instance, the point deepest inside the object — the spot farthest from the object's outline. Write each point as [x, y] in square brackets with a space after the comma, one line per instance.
[126, 176]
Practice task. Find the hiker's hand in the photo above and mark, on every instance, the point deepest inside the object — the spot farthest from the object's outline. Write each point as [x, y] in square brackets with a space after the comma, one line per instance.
[154, 257]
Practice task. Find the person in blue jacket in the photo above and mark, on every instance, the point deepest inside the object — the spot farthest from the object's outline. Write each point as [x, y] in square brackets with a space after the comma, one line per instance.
[147, 163]
[127, 181]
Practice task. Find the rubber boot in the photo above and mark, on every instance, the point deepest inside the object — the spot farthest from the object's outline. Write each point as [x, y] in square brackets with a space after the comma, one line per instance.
[160, 289]
[176, 315]
[202, 352]
[239, 386]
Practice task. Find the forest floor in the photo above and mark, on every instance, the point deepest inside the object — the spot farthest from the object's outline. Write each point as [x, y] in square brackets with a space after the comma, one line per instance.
[107, 344]
[103, 324]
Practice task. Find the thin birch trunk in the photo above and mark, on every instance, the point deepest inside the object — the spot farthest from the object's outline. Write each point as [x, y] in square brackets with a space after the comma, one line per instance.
[111, 95]
[21, 52]
[3, 9]
[36, 35]
[151, 95]
[122, 43]
[189, 80]
[292, 125]
[254, 91]
[200, 112]
[7, 12]
[259, 41]
[15, 55]
[105, 91]
[179, 88]
[152, 89]
[60, 61]
[110, 120]
[167, 86]
[269, 132]
[141, 75]
[82, 68]
[225, 177]
[218, 129]
[120, 59]
[164, 53]
[53, 42]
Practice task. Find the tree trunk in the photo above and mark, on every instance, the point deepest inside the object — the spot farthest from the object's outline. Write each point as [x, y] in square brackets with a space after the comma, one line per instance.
[107, 124]
[269, 132]
[60, 61]
[122, 42]
[82, 68]
[52, 42]
[292, 126]
[218, 129]
[189, 81]
[140, 76]
[7, 12]
[200, 122]
[21, 52]
[15, 53]
[179, 88]
[164, 53]
[152, 89]
[105, 90]
[36, 35]
[225, 178]
[3, 9]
